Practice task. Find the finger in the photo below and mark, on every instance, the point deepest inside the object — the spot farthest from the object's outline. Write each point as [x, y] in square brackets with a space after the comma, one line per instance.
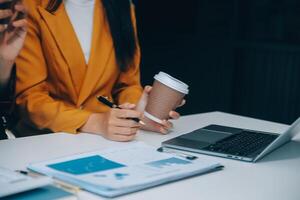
[125, 131]
[144, 99]
[128, 106]
[5, 13]
[13, 34]
[20, 8]
[125, 123]
[167, 124]
[20, 23]
[125, 113]
[3, 27]
[120, 138]
[163, 130]
[124, 105]
[174, 115]
[2, 1]
[148, 89]
[19, 12]
[156, 127]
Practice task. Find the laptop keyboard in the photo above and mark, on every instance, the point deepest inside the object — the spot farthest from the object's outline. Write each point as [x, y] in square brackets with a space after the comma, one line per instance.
[242, 144]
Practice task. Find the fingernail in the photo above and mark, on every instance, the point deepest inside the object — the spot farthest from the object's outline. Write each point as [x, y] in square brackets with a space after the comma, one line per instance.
[148, 87]
[163, 131]
[142, 123]
[165, 122]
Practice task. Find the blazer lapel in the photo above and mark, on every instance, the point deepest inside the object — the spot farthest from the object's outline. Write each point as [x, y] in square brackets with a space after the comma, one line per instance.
[65, 37]
[101, 50]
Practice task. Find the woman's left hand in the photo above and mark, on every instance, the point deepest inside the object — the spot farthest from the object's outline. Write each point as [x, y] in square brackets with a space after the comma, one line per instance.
[151, 125]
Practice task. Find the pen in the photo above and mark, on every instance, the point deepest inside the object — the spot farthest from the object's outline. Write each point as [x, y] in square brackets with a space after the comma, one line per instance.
[105, 101]
[58, 183]
[22, 172]
[180, 154]
[28, 173]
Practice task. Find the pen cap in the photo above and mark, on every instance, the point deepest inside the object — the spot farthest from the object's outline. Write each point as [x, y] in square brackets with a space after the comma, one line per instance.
[166, 94]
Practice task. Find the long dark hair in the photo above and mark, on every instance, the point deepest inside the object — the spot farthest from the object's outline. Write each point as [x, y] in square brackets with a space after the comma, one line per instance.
[118, 13]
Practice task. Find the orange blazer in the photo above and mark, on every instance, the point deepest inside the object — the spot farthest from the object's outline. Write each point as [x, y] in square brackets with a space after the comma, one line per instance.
[55, 87]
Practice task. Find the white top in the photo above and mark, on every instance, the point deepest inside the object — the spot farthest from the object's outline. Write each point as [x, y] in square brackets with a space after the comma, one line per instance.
[275, 177]
[81, 13]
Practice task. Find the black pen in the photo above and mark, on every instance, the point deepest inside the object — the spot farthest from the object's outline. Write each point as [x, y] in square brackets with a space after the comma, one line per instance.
[22, 172]
[105, 101]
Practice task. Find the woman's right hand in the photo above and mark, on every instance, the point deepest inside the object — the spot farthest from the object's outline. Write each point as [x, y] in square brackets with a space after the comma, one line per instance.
[114, 124]
[11, 41]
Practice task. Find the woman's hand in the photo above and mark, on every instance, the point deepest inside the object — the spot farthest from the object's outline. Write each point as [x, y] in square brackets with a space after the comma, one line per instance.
[11, 41]
[114, 124]
[151, 125]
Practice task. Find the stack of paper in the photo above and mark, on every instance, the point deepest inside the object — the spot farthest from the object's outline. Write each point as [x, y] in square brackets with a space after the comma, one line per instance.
[117, 171]
[12, 182]
[44, 193]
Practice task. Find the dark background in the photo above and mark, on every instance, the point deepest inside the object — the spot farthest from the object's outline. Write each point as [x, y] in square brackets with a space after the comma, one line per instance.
[238, 56]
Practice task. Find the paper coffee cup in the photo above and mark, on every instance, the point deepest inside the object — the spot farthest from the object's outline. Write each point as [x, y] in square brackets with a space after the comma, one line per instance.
[166, 94]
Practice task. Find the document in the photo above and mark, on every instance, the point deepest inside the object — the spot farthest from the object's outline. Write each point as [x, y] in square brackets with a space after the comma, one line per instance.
[116, 171]
[12, 182]
[43, 193]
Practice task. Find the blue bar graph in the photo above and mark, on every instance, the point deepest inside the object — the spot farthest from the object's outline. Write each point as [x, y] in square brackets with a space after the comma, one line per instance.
[86, 165]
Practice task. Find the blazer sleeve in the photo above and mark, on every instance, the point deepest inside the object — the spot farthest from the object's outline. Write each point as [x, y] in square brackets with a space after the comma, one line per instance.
[32, 88]
[128, 87]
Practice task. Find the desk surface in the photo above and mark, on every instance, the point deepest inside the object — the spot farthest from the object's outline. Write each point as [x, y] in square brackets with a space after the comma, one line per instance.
[276, 176]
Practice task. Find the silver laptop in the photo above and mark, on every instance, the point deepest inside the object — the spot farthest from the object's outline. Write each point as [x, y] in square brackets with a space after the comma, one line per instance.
[233, 143]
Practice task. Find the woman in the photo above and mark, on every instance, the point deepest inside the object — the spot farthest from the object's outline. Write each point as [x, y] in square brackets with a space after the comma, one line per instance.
[81, 49]
[11, 43]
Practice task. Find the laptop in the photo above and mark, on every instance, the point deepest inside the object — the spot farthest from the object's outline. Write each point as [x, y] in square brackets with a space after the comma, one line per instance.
[231, 142]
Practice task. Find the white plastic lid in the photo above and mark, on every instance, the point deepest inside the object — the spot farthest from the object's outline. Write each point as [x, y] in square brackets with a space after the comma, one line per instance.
[172, 82]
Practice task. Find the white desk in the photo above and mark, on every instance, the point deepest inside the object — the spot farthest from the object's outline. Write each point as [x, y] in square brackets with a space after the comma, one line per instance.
[277, 176]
